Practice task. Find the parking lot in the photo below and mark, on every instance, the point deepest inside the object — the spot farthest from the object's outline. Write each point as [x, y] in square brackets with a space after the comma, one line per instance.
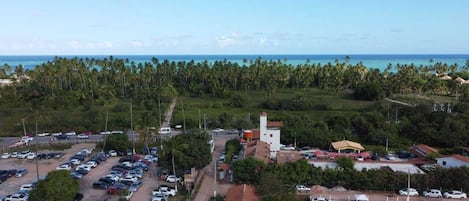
[11, 185]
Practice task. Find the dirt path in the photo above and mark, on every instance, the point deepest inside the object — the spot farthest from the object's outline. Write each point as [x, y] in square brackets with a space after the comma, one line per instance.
[169, 113]
[206, 190]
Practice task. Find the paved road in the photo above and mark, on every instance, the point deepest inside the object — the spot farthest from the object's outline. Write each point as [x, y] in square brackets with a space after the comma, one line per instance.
[207, 186]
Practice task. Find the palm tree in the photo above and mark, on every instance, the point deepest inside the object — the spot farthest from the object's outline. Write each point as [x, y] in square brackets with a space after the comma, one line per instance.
[175, 147]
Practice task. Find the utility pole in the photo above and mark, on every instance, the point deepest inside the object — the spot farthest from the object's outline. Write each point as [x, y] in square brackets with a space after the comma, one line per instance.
[214, 172]
[183, 116]
[105, 130]
[408, 185]
[132, 130]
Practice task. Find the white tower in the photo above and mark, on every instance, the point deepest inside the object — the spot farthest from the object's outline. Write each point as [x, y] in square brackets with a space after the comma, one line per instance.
[270, 135]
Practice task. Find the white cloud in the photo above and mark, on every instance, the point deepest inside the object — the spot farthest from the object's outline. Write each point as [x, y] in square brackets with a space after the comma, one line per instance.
[232, 39]
[139, 44]
[75, 44]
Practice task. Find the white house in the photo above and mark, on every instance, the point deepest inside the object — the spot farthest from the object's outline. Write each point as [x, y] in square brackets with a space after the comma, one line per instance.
[453, 161]
[270, 133]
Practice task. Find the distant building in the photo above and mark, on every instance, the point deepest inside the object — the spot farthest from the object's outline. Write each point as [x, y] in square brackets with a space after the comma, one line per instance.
[270, 133]
[453, 161]
[346, 146]
[422, 150]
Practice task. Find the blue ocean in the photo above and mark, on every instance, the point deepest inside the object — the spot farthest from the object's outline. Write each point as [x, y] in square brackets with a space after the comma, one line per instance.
[377, 61]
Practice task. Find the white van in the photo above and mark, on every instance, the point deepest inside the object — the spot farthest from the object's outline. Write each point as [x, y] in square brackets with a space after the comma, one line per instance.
[165, 130]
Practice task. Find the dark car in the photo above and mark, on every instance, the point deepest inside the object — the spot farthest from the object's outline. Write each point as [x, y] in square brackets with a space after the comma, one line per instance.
[131, 159]
[82, 171]
[78, 197]
[100, 185]
[3, 177]
[62, 137]
[107, 180]
[41, 156]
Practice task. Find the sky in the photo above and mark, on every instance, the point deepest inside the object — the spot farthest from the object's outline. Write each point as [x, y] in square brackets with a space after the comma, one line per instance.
[197, 27]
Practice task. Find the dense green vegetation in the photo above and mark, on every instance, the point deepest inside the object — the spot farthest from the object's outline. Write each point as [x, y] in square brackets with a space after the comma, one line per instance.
[57, 186]
[269, 178]
[319, 103]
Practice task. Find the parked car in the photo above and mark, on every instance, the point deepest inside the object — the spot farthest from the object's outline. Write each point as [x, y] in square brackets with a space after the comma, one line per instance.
[31, 155]
[64, 167]
[70, 133]
[173, 179]
[167, 191]
[92, 164]
[6, 155]
[43, 134]
[78, 197]
[26, 187]
[82, 136]
[135, 186]
[21, 172]
[100, 185]
[76, 175]
[17, 197]
[14, 155]
[62, 137]
[129, 178]
[409, 192]
[302, 189]
[112, 153]
[23, 154]
[116, 187]
[433, 193]
[455, 194]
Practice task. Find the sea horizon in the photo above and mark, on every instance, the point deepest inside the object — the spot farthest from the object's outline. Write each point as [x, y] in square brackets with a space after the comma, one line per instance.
[375, 61]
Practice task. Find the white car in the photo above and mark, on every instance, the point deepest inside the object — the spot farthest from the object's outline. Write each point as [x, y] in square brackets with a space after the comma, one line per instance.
[17, 197]
[455, 194]
[409, 192]
[71, 133]
[128, 195]
[302, 189]
[83, 167]
[26, 187]
[23, 154]
[6, 155]
[112, 177]
[42, 134]
[64, 167]
[75, 161]
[218, 130]
[112, 153]
[173, 179]
[57, 134]
[14, 155]
[82, 136]
[130, 179]
[432, 193]
[168, 191]
[92, 164]
[31, 155]
[105, 132]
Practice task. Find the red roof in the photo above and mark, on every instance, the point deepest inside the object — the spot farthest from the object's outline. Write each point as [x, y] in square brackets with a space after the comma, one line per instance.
[225, 167]
[275, 124]
[242, 192]
[423, 150]
[256, 134]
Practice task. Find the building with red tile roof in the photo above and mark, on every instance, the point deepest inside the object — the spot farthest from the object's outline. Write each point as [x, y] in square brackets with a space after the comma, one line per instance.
[451, 161]
[242, 192]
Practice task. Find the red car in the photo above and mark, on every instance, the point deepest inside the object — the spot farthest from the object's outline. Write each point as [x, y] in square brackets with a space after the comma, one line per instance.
[88, 133]
[115, 188]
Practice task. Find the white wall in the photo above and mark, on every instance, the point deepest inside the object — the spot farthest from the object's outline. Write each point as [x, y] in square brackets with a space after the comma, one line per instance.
[270, 136]
[451, 162]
